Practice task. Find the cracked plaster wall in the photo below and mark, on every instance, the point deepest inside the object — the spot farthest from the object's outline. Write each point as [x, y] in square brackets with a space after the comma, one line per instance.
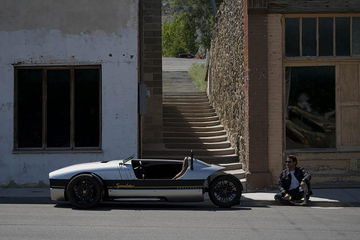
[49, 32]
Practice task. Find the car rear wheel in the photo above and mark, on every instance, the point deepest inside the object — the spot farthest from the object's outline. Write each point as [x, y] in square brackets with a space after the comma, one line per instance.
[84, 191]
[225, 191]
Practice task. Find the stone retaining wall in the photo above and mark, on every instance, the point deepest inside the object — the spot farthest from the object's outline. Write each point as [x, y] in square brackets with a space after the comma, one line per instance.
[228, 77]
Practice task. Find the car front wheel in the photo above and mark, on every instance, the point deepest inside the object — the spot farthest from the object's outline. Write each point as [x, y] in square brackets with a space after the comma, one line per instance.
[225, 191]
[84, 191]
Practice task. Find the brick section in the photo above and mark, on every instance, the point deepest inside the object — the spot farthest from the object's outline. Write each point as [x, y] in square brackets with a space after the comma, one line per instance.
[329, 168]
[151, 70]
[332, 169]
[258, 101]
[258, 83]
[275, 97]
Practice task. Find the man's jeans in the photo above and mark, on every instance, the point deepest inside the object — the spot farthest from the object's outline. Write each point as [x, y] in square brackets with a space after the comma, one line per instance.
[295, 194]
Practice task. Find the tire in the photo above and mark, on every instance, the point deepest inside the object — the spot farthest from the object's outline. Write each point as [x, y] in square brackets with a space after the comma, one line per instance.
[225, 191]
[84, 191]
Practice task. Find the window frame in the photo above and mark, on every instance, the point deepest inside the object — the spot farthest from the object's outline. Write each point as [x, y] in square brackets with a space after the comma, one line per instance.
[337, 128]
[44, 148]
[317, 16]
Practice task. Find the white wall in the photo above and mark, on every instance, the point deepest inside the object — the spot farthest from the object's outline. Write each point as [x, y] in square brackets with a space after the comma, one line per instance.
[67, 32]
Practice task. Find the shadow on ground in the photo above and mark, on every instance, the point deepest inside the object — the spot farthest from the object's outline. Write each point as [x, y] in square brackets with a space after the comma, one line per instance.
[111, 206]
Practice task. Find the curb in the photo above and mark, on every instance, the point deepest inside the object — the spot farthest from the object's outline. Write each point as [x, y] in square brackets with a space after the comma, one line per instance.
[25, 200]
[244, 202]
[267, 203]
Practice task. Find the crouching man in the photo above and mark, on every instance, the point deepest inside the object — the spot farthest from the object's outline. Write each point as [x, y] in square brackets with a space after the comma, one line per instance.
[294, 183]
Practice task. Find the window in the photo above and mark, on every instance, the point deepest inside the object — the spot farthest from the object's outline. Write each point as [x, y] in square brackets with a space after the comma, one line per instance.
[310, 107]
[342, 36]
[292, 37]
[356, 36]
[57, 108]
[326, 36]
[322, 36]
[309, 36]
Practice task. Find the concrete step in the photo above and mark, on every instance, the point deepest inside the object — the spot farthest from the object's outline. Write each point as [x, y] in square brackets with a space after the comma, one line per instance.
[182, 108]
[187, 145]
[189, 96]
[173, 101]
[187, 100]
[244, 184]
[194, 129]
[239, 173]
[197, 152]
[231, 166]
[186, 94]
[208, 159]
[194, 134]
[180, 115]
[190, 119]
[186, 104]
[192, 124]
[195, 139]
[188, 110]
[193, 100]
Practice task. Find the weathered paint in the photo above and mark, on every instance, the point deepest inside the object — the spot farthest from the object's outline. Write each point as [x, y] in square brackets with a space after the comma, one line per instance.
[83, 32]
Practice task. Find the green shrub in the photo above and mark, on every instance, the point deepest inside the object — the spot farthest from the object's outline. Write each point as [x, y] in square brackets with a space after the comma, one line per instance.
[179, 36]
[197, 72]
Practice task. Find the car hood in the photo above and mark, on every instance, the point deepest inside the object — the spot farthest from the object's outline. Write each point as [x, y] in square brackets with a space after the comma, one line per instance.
[69, 171]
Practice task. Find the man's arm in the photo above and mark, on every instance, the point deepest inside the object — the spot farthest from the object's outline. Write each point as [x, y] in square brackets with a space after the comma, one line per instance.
[306, 175]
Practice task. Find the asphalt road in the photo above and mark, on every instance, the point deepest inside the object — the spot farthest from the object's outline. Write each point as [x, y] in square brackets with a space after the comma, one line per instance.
[179, 64]
[177, 221]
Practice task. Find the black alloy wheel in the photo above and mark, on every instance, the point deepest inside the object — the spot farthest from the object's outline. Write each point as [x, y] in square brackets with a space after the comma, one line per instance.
[84, 191]
[225, 191]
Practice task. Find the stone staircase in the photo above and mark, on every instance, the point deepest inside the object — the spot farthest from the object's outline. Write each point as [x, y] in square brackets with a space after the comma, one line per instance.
[190, 123]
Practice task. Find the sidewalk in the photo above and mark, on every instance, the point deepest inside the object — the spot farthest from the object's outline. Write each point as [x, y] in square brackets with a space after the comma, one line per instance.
[349, 197]
[321, 197]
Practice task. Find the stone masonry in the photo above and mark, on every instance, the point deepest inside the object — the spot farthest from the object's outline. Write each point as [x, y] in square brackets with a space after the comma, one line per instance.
[228, 74]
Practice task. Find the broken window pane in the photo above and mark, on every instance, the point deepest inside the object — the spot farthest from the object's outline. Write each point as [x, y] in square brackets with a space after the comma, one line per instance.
[356, 36]
[310, 116]
[342, 25]
[29, 108]
[292, 37]
[309, 36]
[58, 108]
[87, 112]
[326, 37]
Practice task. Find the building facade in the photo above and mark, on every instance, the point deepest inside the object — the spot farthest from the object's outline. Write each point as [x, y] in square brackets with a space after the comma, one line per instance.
[68, 85]
[301, 88]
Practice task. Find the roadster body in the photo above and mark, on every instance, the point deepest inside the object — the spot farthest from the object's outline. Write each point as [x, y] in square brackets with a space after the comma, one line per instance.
[85, 185]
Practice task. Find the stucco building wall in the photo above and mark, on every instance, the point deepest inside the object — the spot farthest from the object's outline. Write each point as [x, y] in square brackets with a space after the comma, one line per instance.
[68, 33]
